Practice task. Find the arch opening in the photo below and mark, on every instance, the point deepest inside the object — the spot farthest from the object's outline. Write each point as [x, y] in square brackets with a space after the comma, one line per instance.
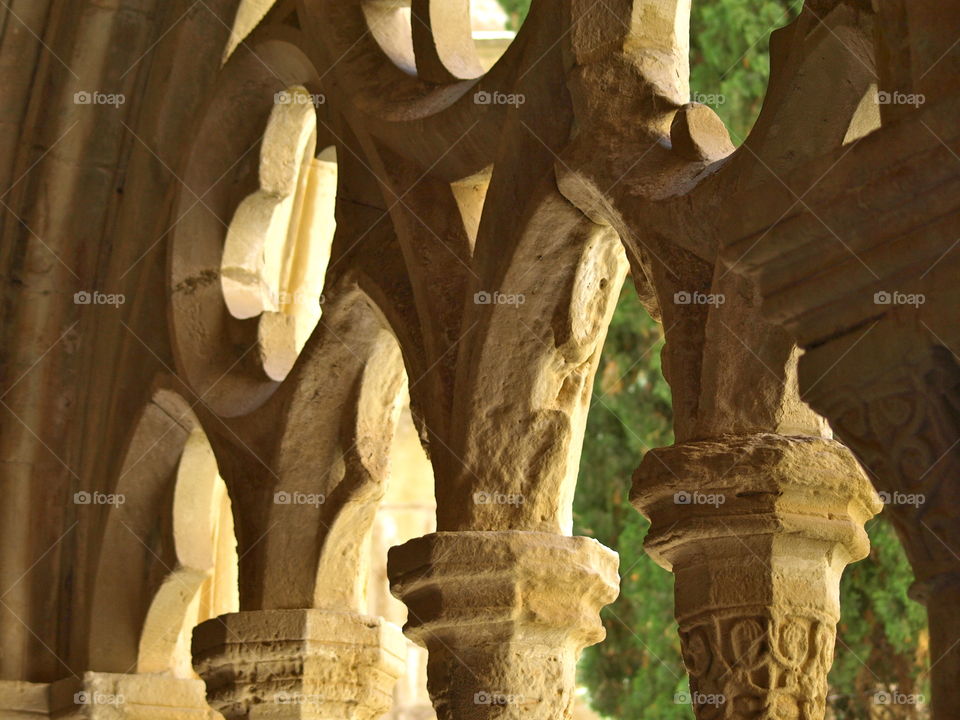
[444, 41]
[204, 583]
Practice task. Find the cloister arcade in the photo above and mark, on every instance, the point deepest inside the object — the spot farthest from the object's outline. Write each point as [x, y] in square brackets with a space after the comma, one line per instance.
[301, 295]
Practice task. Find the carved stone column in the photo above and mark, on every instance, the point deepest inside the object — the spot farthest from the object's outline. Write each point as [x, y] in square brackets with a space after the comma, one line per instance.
[757, 530]
[876, 317]
[894, 398]
[299, 664]
[504, 615]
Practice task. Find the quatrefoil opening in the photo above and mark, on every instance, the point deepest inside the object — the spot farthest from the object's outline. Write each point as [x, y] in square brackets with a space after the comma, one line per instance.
[278, 242]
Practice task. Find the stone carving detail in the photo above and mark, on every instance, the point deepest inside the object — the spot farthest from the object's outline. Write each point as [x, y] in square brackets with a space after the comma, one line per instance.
[504, 616]
[278, 243]
[903, 425]
[757, 530]
[758, 666]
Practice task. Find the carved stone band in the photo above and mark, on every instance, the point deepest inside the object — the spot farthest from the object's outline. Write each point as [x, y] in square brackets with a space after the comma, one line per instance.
[299, 664]
[758, 530]
[505, 616]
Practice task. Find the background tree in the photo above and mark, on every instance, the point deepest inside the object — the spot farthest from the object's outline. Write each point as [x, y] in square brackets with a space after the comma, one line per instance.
[517, 11]
[638, 672]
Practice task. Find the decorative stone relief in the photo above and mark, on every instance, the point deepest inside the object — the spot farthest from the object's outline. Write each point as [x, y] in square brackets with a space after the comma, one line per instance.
[903, 424]
[743, 666]
[903, 421]
[757, 530]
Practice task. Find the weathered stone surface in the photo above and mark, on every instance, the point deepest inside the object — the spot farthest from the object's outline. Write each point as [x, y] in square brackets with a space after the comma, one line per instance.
[863, 277]
[504, 616]
[299, 664]
[484, 224]
[757, 530]
[697, 133]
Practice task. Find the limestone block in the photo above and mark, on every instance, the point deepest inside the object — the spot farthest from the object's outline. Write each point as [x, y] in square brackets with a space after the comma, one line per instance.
[24, 700]
[145, 696]
[504, 616]
[299, 664]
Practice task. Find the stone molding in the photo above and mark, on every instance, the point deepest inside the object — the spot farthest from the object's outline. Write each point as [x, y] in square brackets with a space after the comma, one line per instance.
[299, 664]
[504, 615]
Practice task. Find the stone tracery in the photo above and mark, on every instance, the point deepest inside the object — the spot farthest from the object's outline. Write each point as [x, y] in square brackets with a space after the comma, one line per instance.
[485, 222]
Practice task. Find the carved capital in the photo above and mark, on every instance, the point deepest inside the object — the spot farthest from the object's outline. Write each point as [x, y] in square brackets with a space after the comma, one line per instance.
[504, 616]
[299, 664]
[757, 530]
[894, 398]
[901, 415]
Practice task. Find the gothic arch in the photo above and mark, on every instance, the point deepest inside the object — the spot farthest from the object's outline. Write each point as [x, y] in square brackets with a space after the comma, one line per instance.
[168, 546]
[482, 221]
[206, 572]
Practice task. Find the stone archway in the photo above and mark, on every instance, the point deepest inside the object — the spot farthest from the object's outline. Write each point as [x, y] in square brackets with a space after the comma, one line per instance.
[168, 562]
[207, 560]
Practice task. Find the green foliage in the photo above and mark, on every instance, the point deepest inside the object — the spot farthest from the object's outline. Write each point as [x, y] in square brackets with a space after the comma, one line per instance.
[729, 53]
[730, 56]
[883, 639]
[637, 671]
[517, 11]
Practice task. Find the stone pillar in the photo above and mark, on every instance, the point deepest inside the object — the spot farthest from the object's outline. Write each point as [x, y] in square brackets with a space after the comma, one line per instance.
[876, 313]
[757, 530]
[299, 664]
[504, 616]
[894, 399]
